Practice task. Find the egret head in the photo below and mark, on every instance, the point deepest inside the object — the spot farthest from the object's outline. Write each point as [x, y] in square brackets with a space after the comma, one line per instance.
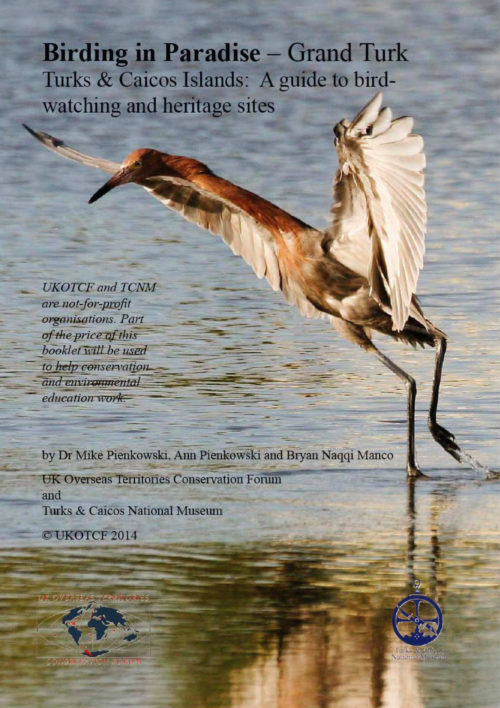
[136, 167]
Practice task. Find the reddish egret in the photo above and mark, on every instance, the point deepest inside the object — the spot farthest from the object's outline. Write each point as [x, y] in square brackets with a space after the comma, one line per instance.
[360, 273]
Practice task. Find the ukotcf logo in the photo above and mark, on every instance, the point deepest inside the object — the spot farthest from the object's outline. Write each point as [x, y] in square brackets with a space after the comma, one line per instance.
[93, 629]
[417, 620]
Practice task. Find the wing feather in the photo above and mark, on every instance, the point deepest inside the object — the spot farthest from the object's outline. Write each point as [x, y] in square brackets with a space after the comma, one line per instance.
[59, 147]
[238, 230]
[251, 228]
[379, 211]
[247, 235]
[397, 130]
[383, 122]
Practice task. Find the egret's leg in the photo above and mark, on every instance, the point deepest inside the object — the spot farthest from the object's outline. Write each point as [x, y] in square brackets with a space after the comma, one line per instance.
[411, 466]
[440, 434]
[358, 335]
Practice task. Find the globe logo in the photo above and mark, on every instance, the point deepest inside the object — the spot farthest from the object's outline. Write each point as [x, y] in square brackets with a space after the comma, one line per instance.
[92, 629]
[417, 620]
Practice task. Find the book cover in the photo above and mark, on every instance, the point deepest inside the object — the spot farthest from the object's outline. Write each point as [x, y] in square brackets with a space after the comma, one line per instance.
[212, 494]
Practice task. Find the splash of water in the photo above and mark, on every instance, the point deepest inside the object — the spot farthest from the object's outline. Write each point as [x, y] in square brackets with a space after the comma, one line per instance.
[476, 465]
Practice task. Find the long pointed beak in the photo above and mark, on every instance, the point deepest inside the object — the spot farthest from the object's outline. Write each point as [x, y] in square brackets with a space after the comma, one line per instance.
[121, 177]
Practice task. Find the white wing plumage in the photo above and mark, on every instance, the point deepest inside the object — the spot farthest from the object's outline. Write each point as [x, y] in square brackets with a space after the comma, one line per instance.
[379, 210]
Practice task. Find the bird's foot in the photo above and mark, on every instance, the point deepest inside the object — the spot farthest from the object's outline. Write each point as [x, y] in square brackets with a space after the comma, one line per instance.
[414, 472]
[446, 440]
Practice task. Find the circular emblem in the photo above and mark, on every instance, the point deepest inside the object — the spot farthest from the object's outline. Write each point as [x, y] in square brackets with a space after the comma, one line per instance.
[417, 620]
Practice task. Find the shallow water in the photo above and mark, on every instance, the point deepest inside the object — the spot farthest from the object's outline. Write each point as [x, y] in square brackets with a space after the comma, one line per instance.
[287, 599]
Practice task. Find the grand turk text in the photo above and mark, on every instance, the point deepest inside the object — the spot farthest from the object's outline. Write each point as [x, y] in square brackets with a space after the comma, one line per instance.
[228, 52]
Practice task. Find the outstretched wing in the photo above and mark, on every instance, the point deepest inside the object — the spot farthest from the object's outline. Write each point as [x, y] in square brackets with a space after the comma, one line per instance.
[64, 150]
[257, 230]
[264, 235]
[379, 210]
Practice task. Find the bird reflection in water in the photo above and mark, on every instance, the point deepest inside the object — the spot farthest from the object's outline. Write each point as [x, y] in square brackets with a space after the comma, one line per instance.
[284, 624]
[336, 648]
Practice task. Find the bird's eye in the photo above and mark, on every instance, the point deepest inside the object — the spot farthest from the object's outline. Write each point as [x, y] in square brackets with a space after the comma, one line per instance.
[138, 163]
